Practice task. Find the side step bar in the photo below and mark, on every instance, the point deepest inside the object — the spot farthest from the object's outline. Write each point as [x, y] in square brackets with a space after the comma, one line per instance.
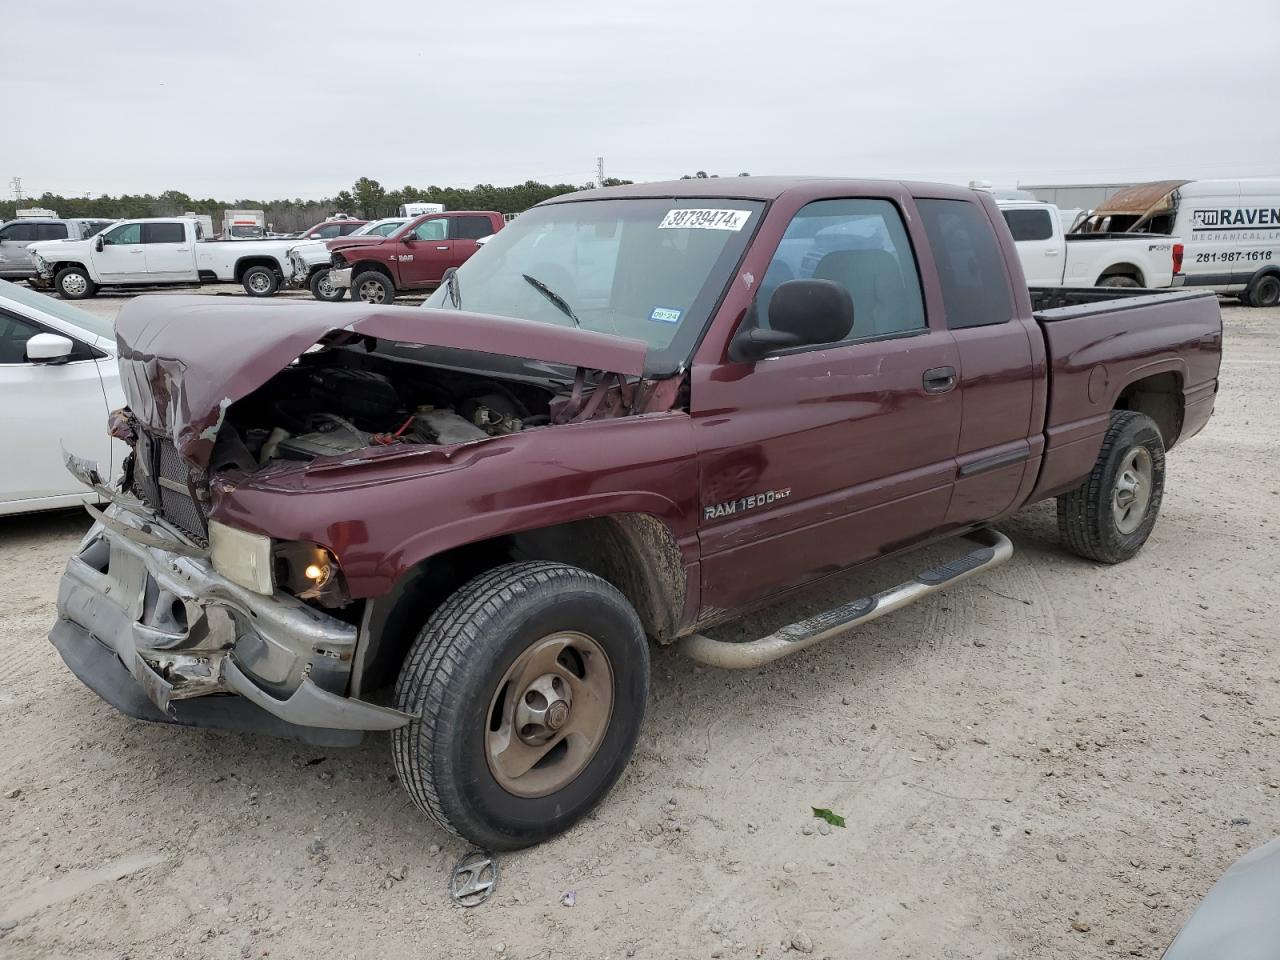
[994, 548]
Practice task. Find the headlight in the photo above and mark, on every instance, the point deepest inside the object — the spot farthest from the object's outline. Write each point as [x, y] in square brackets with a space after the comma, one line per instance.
[242, 557]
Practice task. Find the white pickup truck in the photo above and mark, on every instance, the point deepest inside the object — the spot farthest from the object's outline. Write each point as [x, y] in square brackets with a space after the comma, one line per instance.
[1051, 258]
[161, 251]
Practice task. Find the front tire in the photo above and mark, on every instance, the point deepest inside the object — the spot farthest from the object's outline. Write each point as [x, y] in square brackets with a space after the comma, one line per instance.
[1263, 292]
[322, 289]
[73, 283]
[529, 684]
[373, 286]
[1109, 517]
[260, 281]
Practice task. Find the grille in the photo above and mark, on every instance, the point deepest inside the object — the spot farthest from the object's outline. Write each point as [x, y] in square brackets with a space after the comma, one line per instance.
[164, 482]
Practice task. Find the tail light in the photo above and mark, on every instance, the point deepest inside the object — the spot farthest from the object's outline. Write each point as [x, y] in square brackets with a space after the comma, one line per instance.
[1177, 258]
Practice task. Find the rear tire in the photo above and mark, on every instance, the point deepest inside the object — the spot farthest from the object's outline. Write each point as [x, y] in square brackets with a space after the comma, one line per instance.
[529, 684]
[322, 289]
[260, 281]
[73, 283]
[373, 287]
[1109, 517]
[1263, 292]
[1120, 281]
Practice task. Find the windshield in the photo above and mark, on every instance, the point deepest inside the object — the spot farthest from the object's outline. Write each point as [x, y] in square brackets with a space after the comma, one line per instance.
[86, 321]
[648, 269]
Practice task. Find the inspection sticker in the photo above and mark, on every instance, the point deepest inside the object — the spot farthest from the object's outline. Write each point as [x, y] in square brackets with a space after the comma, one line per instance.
[665, 315]
[686, 219]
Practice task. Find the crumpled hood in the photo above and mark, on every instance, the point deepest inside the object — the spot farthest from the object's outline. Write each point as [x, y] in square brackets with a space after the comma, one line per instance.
[184, 360]
[343, 243]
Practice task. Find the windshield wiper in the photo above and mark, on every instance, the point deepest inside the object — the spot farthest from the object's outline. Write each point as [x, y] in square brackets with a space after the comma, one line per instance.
[454, 293]
[561, 304]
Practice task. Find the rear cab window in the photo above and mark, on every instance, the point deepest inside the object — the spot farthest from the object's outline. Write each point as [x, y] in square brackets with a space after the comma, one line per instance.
[1029, 224]
[51, 231]
[163, 233]
[472, 228]
[971, 270]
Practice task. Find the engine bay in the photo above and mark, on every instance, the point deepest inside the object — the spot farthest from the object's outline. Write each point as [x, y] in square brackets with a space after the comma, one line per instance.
[336, 401]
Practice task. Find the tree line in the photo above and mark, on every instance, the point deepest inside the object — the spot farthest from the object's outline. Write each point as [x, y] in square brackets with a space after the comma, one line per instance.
[367, 198]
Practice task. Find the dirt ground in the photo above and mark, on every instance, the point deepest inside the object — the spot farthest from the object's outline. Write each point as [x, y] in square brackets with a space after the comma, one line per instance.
[1055, 743]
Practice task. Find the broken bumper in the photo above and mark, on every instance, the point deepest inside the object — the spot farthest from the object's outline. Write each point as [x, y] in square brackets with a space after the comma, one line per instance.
[340, 278]
[159, 634]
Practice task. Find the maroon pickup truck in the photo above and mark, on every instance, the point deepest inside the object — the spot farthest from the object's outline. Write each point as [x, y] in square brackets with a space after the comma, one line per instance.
[415, 258]
[636, 413]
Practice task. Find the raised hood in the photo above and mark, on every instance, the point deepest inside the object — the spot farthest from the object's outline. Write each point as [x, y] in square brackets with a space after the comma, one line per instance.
[344, 243]
[185, 360]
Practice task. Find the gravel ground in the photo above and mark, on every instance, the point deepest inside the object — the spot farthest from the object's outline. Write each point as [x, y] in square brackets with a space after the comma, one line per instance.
[1054, 760]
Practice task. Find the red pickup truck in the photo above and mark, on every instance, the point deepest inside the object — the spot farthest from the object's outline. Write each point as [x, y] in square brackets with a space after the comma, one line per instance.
[636, 413]
[415, 258]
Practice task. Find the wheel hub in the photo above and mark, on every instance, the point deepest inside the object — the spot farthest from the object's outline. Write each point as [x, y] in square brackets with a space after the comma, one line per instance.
[549, 714]
[1132, 494]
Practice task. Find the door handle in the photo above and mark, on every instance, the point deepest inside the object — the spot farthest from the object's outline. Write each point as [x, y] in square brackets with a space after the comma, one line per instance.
[1051, 253]
[445, 247]
[939, 379]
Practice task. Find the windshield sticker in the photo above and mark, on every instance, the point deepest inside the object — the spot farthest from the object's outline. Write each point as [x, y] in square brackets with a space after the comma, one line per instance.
[665, 315]
[684, 219]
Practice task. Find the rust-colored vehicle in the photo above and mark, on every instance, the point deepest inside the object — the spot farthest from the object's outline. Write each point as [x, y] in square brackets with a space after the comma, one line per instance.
[636, 413]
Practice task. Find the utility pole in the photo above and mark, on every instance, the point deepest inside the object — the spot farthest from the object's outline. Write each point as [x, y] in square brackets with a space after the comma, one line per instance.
[16, 186]
[599, 171]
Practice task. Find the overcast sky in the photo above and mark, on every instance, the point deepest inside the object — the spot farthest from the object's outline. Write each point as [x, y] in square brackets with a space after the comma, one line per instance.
[266, 100]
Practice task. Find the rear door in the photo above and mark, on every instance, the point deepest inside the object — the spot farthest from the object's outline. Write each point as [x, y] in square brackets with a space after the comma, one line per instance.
[1037, 234]
[170, 253]
[122, 256]
[822, 457]
[15, 260]
[425, 253]
[997, 369]
[467, 231]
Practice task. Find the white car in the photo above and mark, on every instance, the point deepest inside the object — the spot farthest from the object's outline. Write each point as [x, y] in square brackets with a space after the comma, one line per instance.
[1051, 258]
[309, 260]
[158, 251]
[58, 382]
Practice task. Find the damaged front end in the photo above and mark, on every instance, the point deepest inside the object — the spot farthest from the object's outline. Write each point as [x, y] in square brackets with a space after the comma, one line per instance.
[181, 604]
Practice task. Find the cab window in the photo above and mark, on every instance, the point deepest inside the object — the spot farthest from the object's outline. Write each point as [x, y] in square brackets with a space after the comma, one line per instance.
[437, 229]
[163, 233]
[19, 232]
[124, 235]
[975, 286]
[862, 245]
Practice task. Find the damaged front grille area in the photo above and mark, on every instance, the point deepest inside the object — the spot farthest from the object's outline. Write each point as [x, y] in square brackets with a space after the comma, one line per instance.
[171, 486]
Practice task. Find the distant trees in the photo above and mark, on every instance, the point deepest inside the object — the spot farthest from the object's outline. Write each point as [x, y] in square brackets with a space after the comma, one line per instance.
[703, 175]
[366, 197]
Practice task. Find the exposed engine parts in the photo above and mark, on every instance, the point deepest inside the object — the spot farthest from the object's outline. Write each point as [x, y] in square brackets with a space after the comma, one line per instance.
[319, 409]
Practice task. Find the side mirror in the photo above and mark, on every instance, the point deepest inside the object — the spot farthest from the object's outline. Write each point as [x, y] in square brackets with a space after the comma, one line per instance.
[408, 238]
[49, 348]
[801, 313]
[99, 243]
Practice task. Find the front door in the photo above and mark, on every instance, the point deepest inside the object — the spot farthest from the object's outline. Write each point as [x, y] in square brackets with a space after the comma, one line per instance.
[122, 256]
[169, 253]
[45, 408]
[425, 253]
[15, 258]
[823, 457]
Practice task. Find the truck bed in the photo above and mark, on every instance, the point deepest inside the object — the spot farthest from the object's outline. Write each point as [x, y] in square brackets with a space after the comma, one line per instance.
[1132, 349]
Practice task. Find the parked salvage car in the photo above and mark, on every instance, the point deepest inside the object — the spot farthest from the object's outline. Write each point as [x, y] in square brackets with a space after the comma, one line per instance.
[58, 379]
[309, 260]
[1238, 919]
[17, 236]
[160, 251]
[415, 258]
[1053, 258]
[626, 419]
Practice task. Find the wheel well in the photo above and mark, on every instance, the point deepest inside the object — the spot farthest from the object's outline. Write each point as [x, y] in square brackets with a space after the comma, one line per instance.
[63, 264]
[243, 265]
[364, 266]
[635, 552]
[1160, 398]
[1123, 270]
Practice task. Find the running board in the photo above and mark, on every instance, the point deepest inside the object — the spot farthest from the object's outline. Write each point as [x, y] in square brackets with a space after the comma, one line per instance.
[993, 549]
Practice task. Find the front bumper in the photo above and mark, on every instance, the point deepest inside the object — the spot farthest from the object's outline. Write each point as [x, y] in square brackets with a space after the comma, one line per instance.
[340, 278]
[159, 634]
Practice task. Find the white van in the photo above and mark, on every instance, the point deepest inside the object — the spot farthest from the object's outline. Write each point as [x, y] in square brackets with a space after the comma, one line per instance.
[1230, 229]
